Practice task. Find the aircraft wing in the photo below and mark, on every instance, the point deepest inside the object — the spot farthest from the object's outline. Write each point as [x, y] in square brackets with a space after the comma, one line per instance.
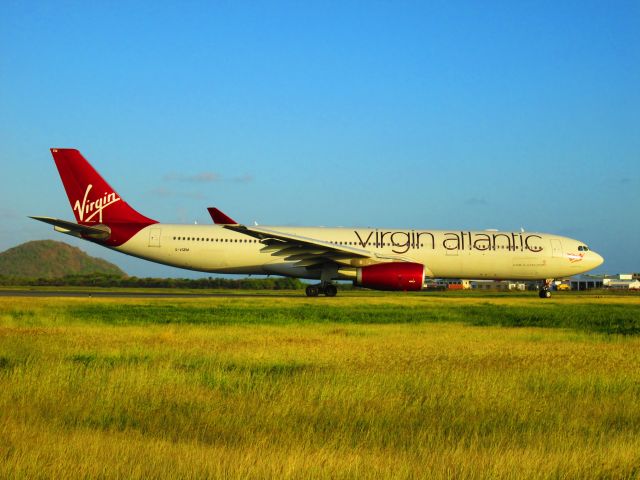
[311, 252]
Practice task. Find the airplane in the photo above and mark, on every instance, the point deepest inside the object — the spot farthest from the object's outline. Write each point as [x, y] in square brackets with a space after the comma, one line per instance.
[374, 258]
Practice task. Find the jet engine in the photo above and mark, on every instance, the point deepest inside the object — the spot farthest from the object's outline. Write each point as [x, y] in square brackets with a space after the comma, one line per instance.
[403, 276]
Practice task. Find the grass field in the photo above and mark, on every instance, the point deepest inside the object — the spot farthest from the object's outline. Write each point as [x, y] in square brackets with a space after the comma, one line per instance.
[358, 386]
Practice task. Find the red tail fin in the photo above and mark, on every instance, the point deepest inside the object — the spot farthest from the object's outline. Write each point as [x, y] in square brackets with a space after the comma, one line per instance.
[93, 200]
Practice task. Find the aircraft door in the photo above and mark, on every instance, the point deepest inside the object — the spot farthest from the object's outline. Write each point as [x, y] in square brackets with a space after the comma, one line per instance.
[154, 237]
[556, 248]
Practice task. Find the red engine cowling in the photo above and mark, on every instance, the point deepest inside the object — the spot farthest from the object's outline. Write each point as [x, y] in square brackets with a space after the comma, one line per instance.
[391, 276]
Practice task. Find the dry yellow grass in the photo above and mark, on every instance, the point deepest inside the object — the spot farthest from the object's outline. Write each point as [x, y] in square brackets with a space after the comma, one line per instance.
[240, 397]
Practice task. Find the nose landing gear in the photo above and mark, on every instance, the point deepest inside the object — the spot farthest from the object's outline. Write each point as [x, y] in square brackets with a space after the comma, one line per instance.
[544, 292]
[545, 289]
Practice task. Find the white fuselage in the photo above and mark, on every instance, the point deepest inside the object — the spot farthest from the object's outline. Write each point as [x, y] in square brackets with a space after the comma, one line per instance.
[445, 254]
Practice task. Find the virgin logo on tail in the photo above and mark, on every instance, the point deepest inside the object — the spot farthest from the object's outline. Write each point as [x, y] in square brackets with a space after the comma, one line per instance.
[91, 208]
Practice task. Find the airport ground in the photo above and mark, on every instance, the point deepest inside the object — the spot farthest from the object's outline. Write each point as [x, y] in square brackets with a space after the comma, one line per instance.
[362, 385]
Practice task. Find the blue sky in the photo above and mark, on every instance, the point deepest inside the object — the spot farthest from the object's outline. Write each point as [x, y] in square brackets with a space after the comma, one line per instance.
[434, 115]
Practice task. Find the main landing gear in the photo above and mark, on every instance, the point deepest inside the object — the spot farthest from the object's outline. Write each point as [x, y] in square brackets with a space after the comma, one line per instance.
[545, 289]
[328, 289]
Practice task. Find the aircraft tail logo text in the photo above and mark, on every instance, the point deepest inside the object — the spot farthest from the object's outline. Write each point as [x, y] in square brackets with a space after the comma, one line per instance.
[95, 207]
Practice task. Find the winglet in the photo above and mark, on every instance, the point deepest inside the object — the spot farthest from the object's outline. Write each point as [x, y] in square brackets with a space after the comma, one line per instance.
[220, 218]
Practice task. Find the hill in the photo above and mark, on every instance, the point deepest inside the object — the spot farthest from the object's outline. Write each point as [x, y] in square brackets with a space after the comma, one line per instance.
[51, 259]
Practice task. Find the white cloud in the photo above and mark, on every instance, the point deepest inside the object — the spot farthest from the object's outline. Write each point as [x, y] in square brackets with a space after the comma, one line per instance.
[202, 177]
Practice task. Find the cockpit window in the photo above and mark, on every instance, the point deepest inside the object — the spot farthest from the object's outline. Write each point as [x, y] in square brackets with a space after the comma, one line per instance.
[583, 248]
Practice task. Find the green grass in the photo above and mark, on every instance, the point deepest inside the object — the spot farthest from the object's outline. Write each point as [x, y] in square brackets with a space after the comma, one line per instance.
[373, 386]
[611, 314]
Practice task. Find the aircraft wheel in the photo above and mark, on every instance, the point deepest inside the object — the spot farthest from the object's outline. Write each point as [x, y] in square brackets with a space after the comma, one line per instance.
[312, 291]
[330, 290]
[544, 293]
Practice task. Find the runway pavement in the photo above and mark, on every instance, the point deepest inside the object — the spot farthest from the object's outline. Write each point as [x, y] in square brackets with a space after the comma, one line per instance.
[116, 294]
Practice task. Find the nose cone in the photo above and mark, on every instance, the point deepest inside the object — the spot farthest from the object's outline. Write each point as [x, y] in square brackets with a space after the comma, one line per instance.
[595, 260]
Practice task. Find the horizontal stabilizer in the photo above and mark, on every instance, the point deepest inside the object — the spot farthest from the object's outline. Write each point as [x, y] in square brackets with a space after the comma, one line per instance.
[220, 218]
[100, 232]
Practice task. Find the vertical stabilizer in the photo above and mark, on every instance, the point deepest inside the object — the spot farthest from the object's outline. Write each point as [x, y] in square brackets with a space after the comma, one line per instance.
[92, 199]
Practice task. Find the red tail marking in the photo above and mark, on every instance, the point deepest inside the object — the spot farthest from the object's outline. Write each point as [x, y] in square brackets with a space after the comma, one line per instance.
[93, 200]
